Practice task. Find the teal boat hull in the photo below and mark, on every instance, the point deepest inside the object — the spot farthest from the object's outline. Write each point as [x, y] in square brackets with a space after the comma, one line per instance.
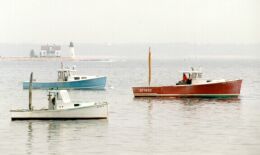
[94, 83]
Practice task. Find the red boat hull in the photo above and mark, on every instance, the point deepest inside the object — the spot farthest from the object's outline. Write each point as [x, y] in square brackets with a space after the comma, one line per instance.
[220, 89]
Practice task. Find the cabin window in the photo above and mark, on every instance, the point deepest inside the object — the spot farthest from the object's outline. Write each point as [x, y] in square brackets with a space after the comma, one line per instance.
[58, 97]
[76, 78]
[194, 75]
[60, 74]
[200, 75]
[83, 77]
[76, 105]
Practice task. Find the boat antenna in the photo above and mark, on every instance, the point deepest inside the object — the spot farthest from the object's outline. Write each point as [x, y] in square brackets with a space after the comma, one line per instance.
[30, 91]
[149, 66]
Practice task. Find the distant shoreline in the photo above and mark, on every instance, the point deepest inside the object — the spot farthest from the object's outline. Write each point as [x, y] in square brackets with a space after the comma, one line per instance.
[52, 59]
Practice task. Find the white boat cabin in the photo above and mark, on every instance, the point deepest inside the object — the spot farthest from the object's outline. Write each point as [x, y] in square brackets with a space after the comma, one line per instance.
[65, 74]
[191, 77]
[59, 99]
[69, 74]
[195, 77]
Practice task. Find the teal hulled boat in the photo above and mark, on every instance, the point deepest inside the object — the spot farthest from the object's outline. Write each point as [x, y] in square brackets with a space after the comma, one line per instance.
[67, 79]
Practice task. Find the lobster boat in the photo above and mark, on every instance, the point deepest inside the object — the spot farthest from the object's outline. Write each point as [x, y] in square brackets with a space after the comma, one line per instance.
[69, 79]
[191, 85]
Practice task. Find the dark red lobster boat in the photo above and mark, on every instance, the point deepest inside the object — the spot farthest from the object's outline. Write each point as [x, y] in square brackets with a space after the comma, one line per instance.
[192, 85]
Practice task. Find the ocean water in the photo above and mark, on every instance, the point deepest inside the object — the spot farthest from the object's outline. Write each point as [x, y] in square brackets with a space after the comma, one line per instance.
[135, 125]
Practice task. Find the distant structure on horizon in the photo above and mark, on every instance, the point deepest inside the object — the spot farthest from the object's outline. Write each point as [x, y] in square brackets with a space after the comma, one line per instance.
[32, 54]
[50, 51]
[72, 50]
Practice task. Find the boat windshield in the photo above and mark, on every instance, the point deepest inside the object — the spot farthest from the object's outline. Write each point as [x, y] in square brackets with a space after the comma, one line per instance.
[195, 75]
[64, 74]
[188, 76]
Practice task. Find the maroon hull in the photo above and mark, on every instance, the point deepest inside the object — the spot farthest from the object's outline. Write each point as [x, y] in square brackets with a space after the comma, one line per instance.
[220, 89]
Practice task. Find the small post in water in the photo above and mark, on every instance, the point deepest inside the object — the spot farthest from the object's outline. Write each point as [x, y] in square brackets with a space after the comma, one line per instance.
[30, 91]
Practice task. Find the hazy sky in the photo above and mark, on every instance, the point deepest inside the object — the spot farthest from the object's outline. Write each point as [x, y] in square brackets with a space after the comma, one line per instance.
[121, 21]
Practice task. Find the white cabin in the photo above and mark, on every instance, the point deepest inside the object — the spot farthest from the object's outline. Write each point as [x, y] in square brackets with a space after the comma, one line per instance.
[70, 74]
[191, 77]
[59, 99]
[65, 74]
[195, 77]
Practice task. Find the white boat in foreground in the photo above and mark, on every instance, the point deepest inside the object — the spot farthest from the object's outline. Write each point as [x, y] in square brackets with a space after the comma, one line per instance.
[61, 107]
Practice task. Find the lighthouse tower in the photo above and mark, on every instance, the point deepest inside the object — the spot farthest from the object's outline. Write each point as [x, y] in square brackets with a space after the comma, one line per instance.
[72, 50]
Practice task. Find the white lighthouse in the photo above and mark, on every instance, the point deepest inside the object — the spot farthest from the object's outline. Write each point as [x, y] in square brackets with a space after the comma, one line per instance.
[72, 50]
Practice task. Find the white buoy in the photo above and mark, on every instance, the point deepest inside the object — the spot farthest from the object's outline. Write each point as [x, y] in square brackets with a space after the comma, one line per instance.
[72, 50]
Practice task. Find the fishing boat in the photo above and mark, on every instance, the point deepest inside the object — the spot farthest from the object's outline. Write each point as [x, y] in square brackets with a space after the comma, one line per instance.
[192, 85]
[69, 79]
[61, 107]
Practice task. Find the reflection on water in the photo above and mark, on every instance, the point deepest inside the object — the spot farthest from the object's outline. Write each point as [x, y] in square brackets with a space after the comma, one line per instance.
[59, 132]
[30, 138]
[190, 120]
[188, 101]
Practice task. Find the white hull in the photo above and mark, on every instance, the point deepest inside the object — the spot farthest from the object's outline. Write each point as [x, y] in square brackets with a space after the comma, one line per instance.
[94, 111]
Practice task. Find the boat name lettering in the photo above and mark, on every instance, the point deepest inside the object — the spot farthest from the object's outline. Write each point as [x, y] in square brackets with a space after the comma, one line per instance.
[99, 105]
[145, 90]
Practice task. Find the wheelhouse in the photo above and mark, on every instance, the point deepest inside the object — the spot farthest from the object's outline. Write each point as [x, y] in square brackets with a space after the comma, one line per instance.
[190, 77]
[64, 74]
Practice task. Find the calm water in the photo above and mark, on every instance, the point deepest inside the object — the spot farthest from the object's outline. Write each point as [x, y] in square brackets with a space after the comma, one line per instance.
[135, 126]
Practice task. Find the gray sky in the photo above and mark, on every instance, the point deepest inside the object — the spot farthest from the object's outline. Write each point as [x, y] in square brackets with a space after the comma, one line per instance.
[122, 21]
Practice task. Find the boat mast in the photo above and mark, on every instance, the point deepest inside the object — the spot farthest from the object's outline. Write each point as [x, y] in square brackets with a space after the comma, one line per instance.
[149, 66]
[30, 91]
